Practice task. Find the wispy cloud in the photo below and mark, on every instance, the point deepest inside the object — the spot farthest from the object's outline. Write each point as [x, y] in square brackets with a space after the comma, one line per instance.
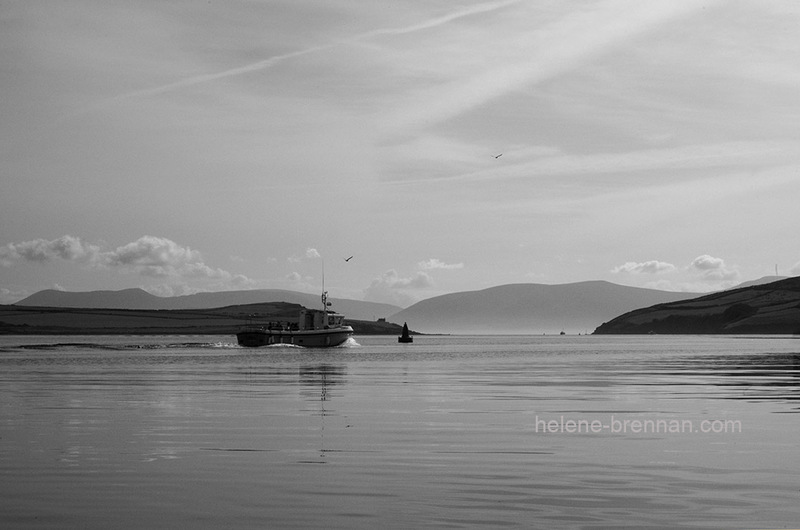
[668, 123]
[717, 155]
[535, 55]
[207, 78]
[275, 60]
[435, 263]
[441, 20]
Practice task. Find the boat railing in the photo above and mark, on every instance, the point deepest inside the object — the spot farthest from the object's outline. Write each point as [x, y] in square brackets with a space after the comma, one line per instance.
[271, 326]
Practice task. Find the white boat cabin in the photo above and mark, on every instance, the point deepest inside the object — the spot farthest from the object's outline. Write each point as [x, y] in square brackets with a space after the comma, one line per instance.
[316, 319]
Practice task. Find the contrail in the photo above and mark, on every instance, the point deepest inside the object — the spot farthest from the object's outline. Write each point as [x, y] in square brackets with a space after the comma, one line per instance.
[272, 61]
[438, 21]
[191, 81]
[253, 67]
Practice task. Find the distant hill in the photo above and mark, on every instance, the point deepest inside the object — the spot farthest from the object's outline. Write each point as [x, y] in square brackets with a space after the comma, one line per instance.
[530, 308]
[37, 320]
[124, 299]
[140, 299]
[762, 308]
[761, 281]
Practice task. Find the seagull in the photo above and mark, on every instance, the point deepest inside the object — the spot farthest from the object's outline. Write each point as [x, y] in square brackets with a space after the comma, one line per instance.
[348, 259]
[498, 156]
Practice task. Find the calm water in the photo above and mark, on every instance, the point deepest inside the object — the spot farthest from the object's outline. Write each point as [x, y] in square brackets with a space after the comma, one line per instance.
[447, 432]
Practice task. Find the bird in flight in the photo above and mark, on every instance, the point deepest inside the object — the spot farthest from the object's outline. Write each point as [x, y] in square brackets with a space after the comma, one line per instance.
[498, 156]
[348, 259]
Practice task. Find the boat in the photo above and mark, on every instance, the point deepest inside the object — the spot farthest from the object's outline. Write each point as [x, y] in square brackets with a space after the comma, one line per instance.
[405, 337]
[314, 328]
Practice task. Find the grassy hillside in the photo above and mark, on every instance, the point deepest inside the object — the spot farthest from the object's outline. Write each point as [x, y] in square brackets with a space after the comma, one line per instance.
[769, 308]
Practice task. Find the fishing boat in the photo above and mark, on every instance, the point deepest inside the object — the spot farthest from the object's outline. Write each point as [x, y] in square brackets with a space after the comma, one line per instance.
[314, 328]
[405, 337]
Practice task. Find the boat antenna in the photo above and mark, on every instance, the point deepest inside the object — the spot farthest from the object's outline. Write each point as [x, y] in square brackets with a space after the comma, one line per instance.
[325, 303]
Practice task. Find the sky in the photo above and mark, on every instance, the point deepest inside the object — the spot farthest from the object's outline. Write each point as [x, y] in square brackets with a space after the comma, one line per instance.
[188, 146]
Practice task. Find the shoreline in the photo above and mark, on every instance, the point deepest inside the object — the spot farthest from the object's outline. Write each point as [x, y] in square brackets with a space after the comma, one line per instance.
[30, 320]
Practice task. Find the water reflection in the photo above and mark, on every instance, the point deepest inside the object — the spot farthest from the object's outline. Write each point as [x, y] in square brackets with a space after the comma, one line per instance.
[441, 434]
[318, 378]
[760, 377]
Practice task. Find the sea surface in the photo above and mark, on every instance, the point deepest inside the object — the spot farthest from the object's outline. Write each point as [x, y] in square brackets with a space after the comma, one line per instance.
[448, 432]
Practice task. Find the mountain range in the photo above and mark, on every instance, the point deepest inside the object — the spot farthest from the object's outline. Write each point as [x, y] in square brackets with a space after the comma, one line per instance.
[515, 308]
[526, 308]
[140, 299]
[531, 308]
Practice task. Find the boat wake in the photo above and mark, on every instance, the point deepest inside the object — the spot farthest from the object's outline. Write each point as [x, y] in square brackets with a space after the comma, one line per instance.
[278, 346]
[73, 346]
[154, 346]
[349, 343]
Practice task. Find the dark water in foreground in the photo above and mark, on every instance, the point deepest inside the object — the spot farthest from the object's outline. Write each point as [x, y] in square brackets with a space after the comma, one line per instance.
[447, 432]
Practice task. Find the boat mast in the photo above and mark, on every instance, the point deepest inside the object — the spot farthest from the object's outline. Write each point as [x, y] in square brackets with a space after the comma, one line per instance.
[324, 298]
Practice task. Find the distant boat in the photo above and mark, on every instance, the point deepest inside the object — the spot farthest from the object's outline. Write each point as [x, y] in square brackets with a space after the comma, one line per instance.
[405, 337]
[314, 329]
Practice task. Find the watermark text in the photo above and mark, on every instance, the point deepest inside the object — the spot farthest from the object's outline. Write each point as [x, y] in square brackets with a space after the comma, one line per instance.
[617, 425]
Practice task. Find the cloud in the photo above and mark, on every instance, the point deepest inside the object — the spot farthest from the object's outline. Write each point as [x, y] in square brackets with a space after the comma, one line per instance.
[647, 267]
[310, 253]
[435, 263]
[712, 268]
[163, 258]
[66, 247]
[150, 256]
[391, 288]
[159, 257]
[705, 273]
[707, 263]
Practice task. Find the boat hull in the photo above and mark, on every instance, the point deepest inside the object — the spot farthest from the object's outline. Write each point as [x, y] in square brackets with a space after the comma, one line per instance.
[316, 338]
